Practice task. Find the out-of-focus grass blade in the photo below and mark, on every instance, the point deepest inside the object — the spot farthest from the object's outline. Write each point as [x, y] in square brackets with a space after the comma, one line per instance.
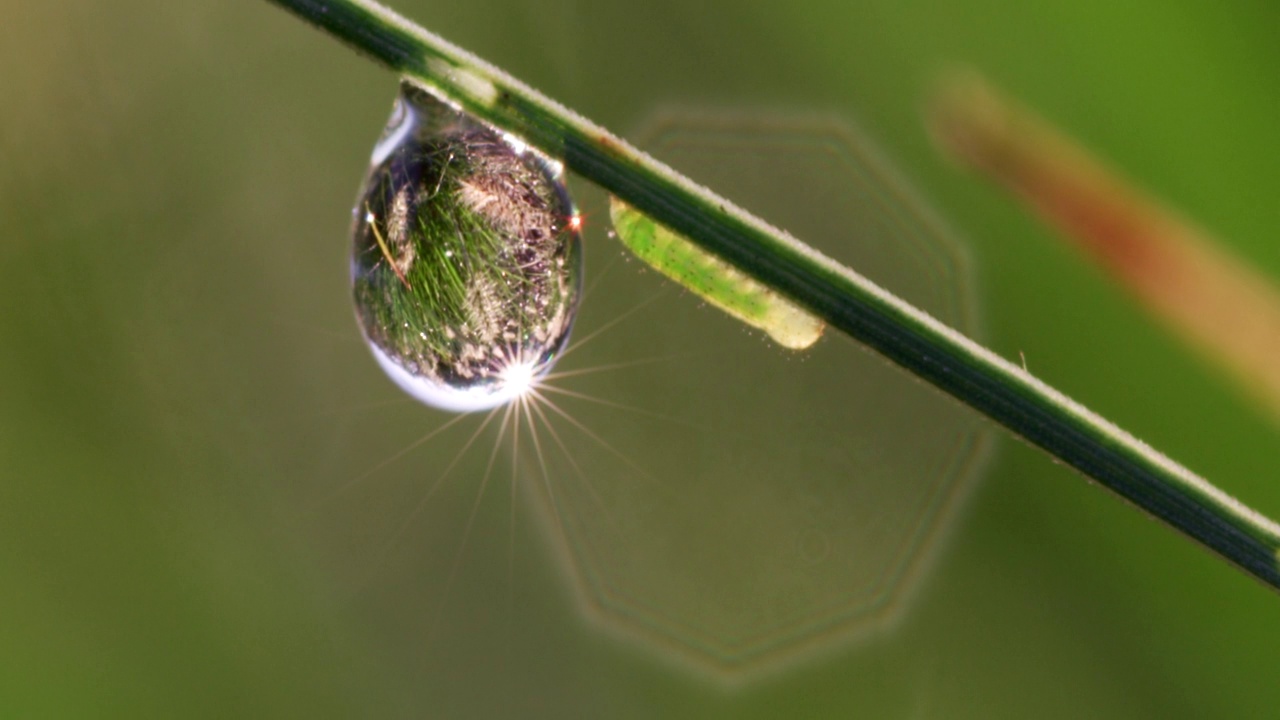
[1213, 300]
[714, 280]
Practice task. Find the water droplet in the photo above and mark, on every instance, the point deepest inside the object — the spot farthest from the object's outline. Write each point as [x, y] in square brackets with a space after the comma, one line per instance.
[466, 267]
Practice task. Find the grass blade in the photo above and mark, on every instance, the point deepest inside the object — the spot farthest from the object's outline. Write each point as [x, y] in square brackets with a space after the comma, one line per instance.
[843, 299]
[1214, 301]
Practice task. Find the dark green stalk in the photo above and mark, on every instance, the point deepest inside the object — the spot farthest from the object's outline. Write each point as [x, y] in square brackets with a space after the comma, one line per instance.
[844, 299]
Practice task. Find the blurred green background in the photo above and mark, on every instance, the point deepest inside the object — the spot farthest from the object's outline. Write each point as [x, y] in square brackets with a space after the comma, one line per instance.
[186, 399]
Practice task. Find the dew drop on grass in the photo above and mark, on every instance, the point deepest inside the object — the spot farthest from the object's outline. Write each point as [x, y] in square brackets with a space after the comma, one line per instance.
[466, 262]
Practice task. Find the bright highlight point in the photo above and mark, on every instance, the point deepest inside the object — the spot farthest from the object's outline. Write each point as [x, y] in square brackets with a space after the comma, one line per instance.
[518, 379]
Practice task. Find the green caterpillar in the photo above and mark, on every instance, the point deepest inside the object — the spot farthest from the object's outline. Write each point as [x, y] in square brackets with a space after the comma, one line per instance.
[713, 279]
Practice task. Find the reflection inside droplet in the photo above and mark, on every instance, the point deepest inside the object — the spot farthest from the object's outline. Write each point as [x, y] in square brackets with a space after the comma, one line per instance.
[466, 263]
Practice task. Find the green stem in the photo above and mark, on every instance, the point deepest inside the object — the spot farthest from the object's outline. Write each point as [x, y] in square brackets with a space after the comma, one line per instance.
[844, 299]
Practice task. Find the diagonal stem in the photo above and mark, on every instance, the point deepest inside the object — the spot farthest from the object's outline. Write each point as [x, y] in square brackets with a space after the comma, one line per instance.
[845, 300]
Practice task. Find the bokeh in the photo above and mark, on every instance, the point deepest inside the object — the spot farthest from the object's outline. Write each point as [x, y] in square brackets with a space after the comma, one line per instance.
[204, 508]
